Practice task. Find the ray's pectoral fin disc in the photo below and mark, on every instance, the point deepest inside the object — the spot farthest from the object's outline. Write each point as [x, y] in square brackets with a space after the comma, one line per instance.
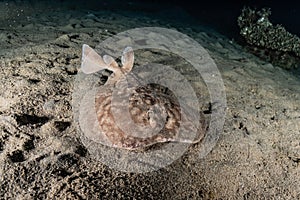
[148, 106]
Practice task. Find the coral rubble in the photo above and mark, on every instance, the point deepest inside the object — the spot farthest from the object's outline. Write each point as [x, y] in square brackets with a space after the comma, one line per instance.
[278, 45]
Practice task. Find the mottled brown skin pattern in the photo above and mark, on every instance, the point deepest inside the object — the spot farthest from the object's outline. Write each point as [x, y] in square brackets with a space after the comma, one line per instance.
[150, 106]
[139, 104]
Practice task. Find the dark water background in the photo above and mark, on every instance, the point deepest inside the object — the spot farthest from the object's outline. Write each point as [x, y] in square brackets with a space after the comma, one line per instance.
[219, 15]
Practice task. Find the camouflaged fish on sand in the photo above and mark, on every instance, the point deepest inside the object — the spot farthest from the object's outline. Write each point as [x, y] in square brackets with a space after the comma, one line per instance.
[150, 106]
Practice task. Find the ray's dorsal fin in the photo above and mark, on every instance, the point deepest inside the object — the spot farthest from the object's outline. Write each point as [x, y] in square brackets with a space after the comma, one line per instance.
[127, 59]
[91, 61]
[110, 61]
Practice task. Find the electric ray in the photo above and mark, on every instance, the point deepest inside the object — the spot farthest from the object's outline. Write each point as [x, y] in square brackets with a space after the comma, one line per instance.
[151, 114]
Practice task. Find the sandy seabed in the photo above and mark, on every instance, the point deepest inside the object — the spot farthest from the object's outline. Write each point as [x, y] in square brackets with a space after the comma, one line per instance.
[41, 155]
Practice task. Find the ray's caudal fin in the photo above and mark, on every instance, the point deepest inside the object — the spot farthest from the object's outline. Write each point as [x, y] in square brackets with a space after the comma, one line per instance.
[92, 62]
